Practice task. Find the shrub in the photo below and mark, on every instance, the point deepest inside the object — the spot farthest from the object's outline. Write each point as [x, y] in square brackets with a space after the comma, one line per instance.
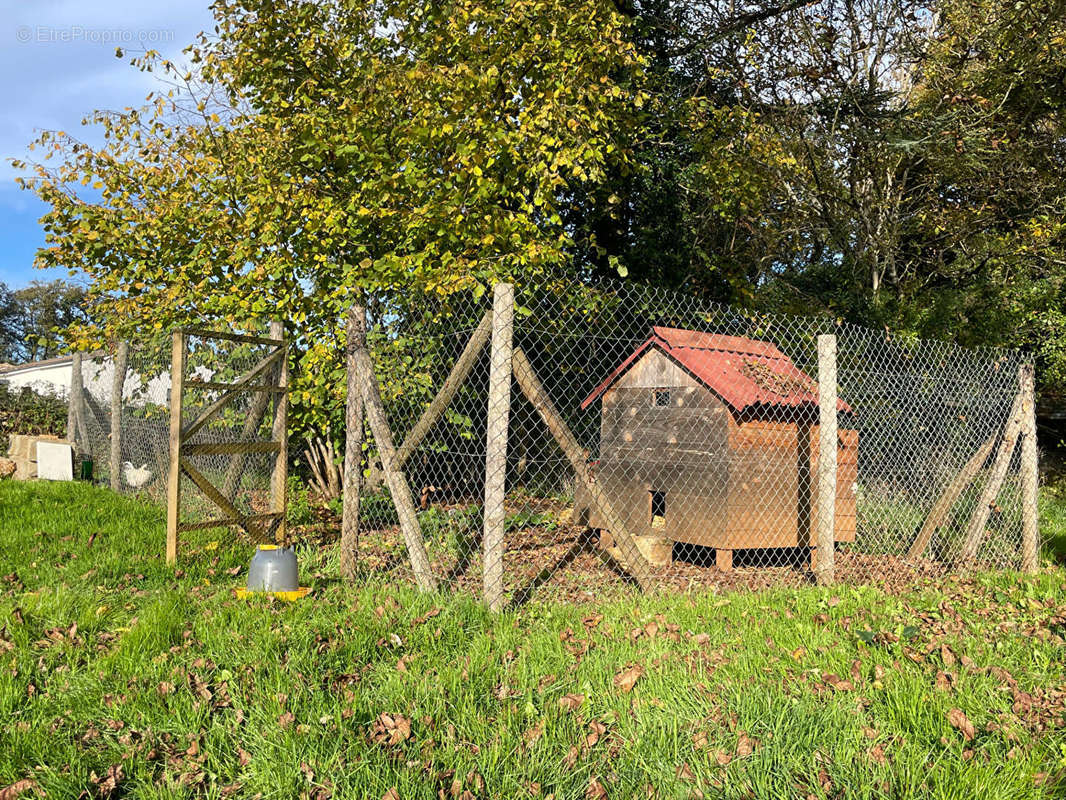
[26, 411]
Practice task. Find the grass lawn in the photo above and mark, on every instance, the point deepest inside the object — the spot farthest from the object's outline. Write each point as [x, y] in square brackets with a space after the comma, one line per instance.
[122, 678]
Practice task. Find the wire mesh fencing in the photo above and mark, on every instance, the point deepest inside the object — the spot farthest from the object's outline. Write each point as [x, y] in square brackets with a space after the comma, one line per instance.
[138, 465]
[649, 437]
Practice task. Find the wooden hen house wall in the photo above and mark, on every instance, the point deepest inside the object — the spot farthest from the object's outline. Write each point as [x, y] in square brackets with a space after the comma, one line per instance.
[713, 440]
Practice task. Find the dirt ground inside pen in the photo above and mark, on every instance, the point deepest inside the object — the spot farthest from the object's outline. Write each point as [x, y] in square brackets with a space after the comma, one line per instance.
[565, 562]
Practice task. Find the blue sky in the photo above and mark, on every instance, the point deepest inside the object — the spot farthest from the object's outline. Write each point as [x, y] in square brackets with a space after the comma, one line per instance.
[58, 64]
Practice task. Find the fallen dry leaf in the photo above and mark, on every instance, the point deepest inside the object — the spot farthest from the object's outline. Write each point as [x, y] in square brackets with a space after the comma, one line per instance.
[286, 719]
[684, 773]
[16, 789]
[961, 722]
[391, 794]
[106, 786]
[877, 755]
[627, 678]
[595, 791]
[596, 730]
[836, 682]
[390, 729]
[427, 616]
[572, 756]
[947, 656]
[745, 745]
[571, 702]
[534, 733]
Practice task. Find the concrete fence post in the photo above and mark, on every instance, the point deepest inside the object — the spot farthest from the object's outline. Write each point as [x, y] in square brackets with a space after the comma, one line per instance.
[825, 522]
[499, 412]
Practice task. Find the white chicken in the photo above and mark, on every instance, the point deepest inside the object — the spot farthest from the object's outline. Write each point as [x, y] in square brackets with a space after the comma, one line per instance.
[136, 477]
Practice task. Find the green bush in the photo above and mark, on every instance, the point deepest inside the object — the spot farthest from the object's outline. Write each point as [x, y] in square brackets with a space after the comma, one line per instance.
[300, 510]
[26, 411]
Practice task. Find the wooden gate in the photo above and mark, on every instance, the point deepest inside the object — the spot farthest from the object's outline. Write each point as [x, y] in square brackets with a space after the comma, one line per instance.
[270, 376]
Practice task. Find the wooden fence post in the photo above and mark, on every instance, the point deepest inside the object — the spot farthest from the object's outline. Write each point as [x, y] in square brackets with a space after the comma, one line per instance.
[975, 530]
[499, 412]
[824, 568]
[353, 454]
[942, 507]
[118, 383]
[280, 434]
[1030, 474]
[177, 385]
[394, 477]
[531, 387]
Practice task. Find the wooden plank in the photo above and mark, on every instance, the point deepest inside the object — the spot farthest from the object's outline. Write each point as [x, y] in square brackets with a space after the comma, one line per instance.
[280, 434]
[531, 386]
[1030, 472]
[204, 333]
[229, 448]
[458, 375]
[827, 458]
[975, 530]
[394, 477]
[177, 377]
[224, 522]
[942, 507]
[209, 413]
[118, 383]
[499, 413]
[243, 387]
[354, 419]
[213, 494]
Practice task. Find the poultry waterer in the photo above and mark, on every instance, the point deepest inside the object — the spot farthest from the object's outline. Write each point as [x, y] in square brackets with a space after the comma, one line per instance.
[274, 571]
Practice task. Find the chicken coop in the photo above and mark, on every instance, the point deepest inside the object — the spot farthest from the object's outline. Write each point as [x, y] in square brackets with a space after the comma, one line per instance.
[712, 440]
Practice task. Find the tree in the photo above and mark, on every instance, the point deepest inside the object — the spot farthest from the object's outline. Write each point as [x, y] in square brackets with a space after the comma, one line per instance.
[317, 149]
[9, 337]
[32, 319]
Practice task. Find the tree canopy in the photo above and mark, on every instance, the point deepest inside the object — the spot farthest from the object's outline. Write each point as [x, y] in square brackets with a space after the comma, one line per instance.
[894, 162]
[33, 319]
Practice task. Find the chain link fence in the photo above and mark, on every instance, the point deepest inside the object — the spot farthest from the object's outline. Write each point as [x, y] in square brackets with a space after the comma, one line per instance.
[635, 436]
[698, 428]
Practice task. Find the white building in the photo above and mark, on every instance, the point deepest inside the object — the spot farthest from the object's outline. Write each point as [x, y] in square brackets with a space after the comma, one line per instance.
[53, 376]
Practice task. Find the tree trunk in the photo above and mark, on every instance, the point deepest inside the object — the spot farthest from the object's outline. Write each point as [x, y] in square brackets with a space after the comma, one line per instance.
[353, 452]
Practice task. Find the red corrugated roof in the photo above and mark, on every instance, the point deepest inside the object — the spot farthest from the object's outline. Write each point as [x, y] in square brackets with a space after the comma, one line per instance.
[743, 372]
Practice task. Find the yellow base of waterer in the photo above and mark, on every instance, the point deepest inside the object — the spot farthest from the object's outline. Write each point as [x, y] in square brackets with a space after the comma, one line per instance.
[288, 597]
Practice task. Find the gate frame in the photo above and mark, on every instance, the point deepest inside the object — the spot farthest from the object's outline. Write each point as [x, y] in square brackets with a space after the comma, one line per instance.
[268, 527]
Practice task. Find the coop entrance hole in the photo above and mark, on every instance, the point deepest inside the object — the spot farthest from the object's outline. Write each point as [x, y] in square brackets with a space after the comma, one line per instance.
[658, 509]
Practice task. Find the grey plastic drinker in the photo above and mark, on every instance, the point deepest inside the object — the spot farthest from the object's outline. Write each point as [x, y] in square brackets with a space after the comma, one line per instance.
[273, 569]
